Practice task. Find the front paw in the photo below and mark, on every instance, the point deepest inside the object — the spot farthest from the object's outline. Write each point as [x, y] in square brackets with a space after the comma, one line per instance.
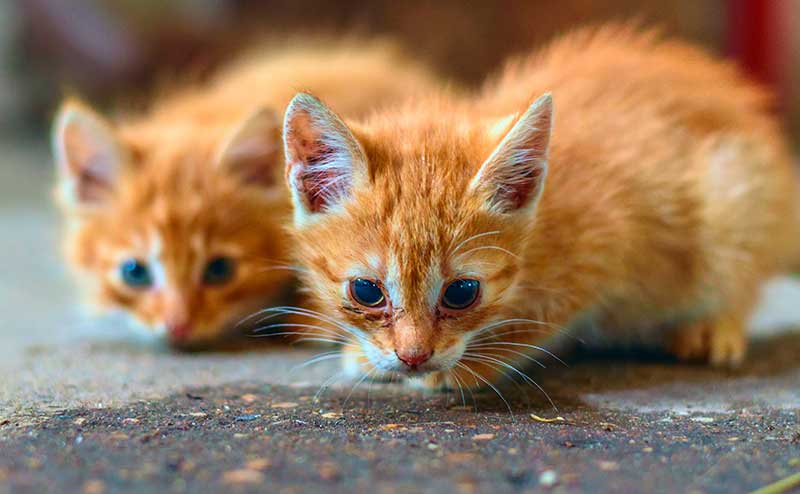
[721, 343]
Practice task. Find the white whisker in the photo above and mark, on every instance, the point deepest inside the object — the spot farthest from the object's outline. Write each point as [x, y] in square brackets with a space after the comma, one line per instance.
[326, 331]
[357, 384]
[326, 384]
[479, 235]
[478, 376]
[514, 369]
[534, 347]
[319, 358]
[500, 349]
[491, 247]
[453, 376]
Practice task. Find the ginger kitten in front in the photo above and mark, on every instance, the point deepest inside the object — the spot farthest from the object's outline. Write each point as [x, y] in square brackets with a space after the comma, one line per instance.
[175, 216]
[647, 190]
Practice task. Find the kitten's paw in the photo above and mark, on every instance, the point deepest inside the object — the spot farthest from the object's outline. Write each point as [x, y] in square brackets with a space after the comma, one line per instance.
[721, 343]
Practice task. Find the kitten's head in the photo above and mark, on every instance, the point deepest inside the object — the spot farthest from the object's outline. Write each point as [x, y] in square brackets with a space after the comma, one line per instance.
[411, 227]
[178, 223]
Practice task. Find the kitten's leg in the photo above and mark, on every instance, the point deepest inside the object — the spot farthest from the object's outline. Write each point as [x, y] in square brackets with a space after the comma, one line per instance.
[722, 341]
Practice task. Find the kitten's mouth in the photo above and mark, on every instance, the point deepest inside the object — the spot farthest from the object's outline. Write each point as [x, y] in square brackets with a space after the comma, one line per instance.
[415, 363]
[417, 371]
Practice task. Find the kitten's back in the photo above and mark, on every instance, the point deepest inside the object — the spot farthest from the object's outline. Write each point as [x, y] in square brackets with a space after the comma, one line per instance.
[355, 76]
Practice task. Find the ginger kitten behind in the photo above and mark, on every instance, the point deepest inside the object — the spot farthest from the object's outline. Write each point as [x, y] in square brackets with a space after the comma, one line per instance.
[175, 216]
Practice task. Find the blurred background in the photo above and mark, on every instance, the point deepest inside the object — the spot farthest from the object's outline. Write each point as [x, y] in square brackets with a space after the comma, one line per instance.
[105, 49]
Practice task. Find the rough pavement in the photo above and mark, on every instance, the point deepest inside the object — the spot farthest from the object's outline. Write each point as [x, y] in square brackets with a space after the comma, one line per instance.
[88, 407]
[731, 433]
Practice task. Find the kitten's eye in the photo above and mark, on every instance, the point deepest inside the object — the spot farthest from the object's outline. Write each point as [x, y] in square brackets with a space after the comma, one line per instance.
[136, 274]
[219, 270]
[367, 293]
[460, 294]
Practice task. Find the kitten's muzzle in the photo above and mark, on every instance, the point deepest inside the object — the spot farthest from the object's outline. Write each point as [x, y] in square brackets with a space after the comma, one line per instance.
[413, 357]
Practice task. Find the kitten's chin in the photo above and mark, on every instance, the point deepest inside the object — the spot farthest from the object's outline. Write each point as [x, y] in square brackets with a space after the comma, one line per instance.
[432, 381]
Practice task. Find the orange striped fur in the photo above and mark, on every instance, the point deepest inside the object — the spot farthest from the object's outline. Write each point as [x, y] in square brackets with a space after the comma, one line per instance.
[662, 199]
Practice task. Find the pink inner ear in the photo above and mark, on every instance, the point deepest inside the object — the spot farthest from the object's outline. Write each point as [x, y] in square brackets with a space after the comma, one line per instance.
[92, 187]
[320, 163]
[321, 183]
[255, 161]
[518, 195]
[91, 164]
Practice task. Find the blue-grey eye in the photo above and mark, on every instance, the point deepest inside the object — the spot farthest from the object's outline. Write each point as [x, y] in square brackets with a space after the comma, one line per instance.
[219, 270]
[460, 294]
[136, 274]
[367, 293]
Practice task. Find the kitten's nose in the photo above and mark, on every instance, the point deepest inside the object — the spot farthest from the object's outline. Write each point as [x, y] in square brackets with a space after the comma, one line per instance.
[179, 331]
[413, 357]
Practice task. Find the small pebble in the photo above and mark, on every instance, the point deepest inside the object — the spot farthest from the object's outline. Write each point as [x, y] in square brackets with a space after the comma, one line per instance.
[285, 404]
[548, 478]
[608, 466]
[482, 437]
[243, 476]
[328, 471]
[258, 464]
[94, 487]
[248, 417]
[702, 420]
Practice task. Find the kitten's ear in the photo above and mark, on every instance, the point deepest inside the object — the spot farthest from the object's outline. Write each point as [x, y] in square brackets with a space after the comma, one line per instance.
[324, 161]
[513, 176]
[87, 155]
[253, 150]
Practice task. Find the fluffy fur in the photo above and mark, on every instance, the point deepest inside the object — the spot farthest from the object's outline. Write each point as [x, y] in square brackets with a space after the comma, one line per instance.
[660, 202]
[198, 175]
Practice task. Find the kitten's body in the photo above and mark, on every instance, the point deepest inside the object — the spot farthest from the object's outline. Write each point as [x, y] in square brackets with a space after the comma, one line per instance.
[197, 176]
[669, 198]
[671, 194]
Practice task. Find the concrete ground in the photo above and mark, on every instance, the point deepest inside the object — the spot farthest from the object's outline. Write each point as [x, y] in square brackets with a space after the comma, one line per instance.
[87, 407]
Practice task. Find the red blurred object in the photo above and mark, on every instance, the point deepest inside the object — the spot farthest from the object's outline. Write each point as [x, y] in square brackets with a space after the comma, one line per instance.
[758, 40]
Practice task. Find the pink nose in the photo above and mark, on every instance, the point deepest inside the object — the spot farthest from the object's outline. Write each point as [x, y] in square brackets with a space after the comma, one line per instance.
[414, 357]
[179, 331]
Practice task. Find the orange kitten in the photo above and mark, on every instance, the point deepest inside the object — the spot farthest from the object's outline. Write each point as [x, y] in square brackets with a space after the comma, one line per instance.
[652, 191]
[176, 215]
